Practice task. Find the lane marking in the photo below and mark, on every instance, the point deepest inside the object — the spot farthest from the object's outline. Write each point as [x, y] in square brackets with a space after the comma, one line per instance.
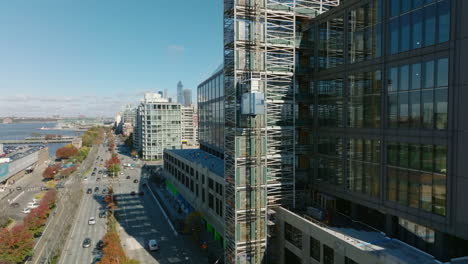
[162, 210]
[14, 199]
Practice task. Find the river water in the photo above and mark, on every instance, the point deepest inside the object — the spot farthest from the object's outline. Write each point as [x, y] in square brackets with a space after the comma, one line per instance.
[18, 131]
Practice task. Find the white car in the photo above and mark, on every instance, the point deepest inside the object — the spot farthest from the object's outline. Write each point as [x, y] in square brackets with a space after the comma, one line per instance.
[85, 178]
[33, 205]
[91, 221]
[26, 210]
[153, 245]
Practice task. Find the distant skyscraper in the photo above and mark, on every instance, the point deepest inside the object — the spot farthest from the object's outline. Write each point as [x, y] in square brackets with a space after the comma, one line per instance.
[161, 93]
[180, 97]
[187, 97]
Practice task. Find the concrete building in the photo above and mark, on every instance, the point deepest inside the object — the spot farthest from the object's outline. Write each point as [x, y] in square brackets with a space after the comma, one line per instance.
[189, 127]
[20, 162]
[129, 114]
[358, 157]
[158, 126]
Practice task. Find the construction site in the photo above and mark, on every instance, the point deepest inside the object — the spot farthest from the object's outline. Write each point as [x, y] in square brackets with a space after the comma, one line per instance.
[260, 42]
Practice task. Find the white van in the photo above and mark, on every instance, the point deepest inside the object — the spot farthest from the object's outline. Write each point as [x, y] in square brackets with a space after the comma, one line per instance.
[153, 245]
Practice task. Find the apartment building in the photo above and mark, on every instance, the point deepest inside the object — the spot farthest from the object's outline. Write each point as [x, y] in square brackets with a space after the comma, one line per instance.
[158, 126]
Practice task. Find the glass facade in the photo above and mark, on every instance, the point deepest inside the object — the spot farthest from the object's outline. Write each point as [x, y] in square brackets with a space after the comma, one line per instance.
[330, 102]
[331, 43]
[418, 95]
[417, 176]
[211, 114]
[364, 90]
[365, 32]
[417, 23]
[330, 169]
[364, 166]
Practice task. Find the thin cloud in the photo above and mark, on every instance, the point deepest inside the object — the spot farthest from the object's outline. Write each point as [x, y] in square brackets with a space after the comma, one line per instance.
[176, 49]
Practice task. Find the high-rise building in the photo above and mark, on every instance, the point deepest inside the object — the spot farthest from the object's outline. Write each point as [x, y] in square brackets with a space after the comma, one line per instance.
[129, 114]
[158, 126]
[189, 129]
[180, 95]
[333, 137]
[187, 94]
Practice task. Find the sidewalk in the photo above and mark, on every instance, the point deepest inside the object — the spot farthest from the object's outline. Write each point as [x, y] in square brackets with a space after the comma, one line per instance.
[170, 206]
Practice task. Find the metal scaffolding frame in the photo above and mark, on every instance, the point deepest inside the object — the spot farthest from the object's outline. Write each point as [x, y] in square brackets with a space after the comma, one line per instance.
[259, 57]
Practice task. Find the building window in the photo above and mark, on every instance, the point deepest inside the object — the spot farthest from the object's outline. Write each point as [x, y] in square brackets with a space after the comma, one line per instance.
[293, 235]
[315, 249]
[364, 166]
[350, 261]
[365, 32]
[417, 95]
[210, 200]
[410, 21]
[330, 160]
[328, 255]
[422, 232]
[210, 183]
[330, 102]
[331, 43]
[416, 176]
[364, 99]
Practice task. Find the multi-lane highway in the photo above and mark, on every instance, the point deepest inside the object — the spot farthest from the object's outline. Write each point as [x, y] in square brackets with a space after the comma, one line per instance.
[139, 216]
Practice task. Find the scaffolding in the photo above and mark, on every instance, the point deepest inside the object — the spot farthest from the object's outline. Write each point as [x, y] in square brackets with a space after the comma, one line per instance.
[259, 60]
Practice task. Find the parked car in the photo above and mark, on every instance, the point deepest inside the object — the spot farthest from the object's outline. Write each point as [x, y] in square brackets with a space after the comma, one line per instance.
[93, 174]
[43, 188]
[14, 205]
[102, 214]
[100, 244]
[128, 177]
[132, 193]
[33, 205]
[135, 181]
[91, 221]
[97, 259]
[89, 191]
[96, 189]
[18, 188]
[104, 191]
[87, 242]
[153, 245]
[26, 210]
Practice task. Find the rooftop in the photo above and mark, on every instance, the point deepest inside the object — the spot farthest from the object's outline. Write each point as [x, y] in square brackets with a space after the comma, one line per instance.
[205, 159]
[370, 240]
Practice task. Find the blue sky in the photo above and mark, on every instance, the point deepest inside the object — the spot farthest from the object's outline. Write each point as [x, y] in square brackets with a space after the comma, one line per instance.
[91, 57]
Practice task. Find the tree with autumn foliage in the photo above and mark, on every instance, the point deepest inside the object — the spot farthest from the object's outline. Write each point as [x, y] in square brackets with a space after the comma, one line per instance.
[109, 199]
[66, 152]
[112, 252]
[36, 219]
[15, 244]
[66, 172]
[113, 165]
[51, 171]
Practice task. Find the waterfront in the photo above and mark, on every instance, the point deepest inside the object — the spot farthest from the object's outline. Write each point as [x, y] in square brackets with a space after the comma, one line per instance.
[18, 131]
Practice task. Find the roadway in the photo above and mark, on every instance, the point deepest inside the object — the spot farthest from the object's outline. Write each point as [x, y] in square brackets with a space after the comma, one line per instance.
[140, 219]
[89, 207]
[30, 186]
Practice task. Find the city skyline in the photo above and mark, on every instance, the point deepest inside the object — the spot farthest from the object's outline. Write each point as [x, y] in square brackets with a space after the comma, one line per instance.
[93, 67]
